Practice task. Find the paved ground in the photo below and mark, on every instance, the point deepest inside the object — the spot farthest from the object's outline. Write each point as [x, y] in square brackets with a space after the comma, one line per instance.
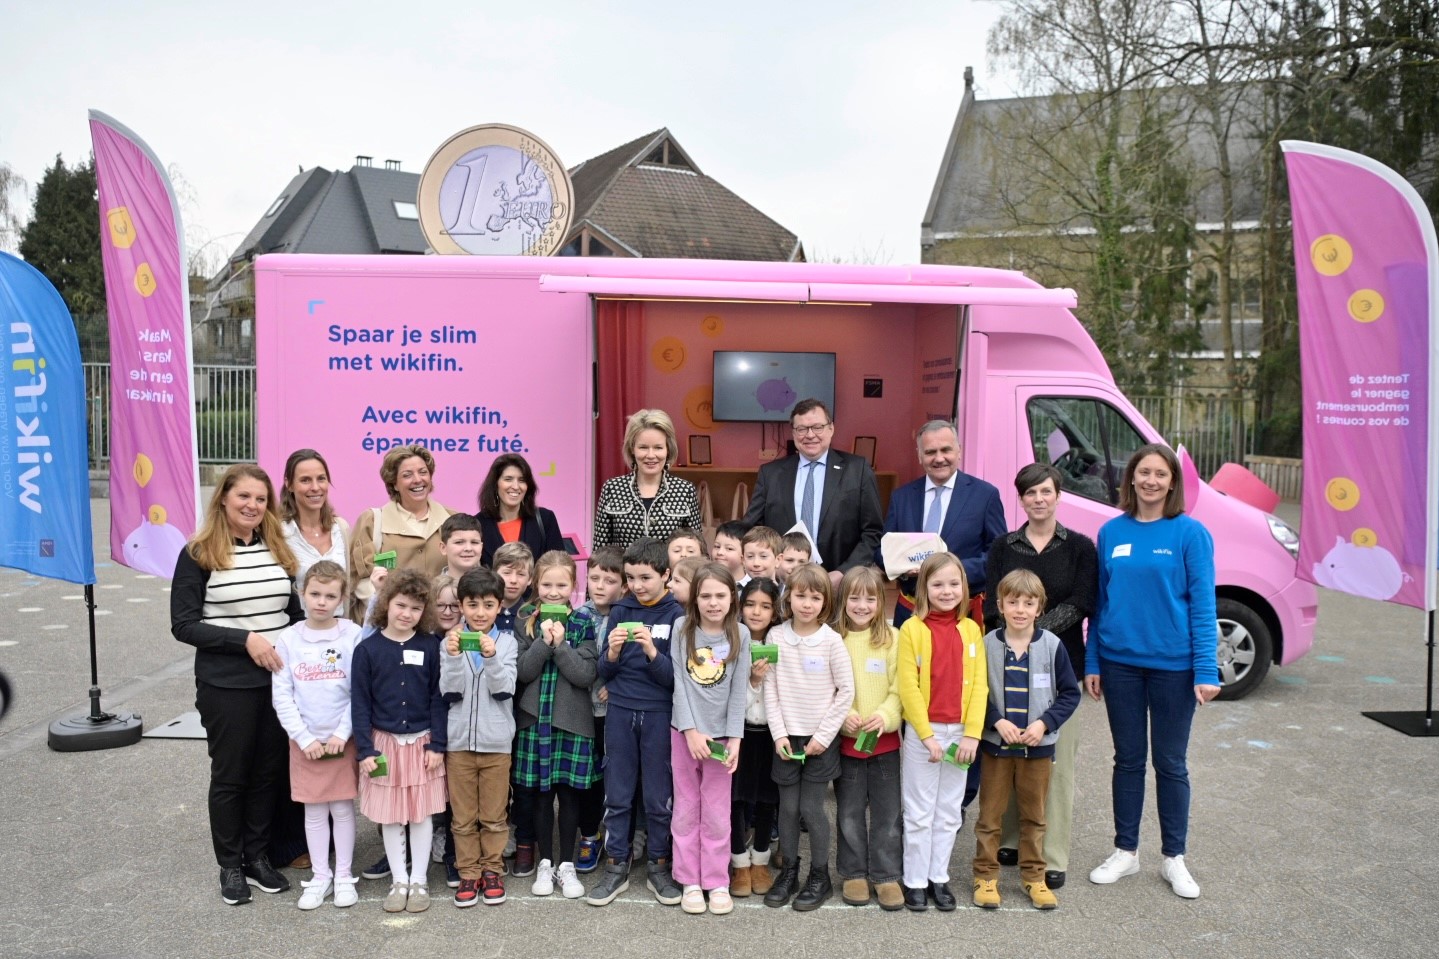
[1315, 830]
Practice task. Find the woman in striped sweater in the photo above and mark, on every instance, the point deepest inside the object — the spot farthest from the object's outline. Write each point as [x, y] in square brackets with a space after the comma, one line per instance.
[232, 594]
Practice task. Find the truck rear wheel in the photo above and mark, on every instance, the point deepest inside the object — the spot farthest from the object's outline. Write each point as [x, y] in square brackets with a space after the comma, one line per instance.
[1245, 649]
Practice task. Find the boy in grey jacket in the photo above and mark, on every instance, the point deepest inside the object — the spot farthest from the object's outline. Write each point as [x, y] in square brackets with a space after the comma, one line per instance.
[479, 686]
[1032, 693]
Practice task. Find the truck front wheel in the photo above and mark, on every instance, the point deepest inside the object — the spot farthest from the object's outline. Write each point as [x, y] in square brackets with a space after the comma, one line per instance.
[1245, 649]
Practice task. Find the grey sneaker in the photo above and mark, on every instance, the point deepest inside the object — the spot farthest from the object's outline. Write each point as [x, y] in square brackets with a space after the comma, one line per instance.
[614, 879]
[419, 898]
[662, 883]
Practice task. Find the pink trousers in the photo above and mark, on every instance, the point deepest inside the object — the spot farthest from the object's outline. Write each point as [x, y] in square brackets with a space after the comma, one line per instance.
[700, 826]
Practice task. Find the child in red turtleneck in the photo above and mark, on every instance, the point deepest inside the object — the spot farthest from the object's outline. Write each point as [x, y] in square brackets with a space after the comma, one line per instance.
[943, 688]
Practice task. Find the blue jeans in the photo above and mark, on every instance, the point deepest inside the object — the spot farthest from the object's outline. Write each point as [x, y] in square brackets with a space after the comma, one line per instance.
[1150, 710]
[637, 752]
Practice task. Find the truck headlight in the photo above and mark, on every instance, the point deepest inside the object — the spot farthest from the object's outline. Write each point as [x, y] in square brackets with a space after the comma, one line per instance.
[1283, 534]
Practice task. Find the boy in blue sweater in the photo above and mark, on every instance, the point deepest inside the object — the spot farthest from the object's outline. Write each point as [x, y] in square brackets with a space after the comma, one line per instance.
[639, 677]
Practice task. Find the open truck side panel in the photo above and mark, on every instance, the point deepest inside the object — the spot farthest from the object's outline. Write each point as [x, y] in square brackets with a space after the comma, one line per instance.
[487, 354]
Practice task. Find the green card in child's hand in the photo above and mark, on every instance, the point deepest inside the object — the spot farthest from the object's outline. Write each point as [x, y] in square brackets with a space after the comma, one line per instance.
[798, 757]
[386, 559]
[718, 751]
[767, 653]
[469, 642]
[951, 756]
[554, 613]
[866, 741]
[629, 629]
[382, 767]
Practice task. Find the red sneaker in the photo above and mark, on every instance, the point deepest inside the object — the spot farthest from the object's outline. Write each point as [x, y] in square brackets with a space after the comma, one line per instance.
[493, 888]
[468, 894]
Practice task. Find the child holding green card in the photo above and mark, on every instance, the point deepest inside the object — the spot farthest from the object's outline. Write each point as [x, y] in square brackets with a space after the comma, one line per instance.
[554, 753]
[477, 681]
[806, 697]
[711, 658]
[753, 783]
[869, 749]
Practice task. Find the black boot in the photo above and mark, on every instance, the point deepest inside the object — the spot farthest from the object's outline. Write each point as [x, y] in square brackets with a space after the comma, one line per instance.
[784, 886]
[817, 890]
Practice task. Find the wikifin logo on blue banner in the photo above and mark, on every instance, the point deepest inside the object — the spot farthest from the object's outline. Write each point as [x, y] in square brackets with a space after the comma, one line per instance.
[44, 461]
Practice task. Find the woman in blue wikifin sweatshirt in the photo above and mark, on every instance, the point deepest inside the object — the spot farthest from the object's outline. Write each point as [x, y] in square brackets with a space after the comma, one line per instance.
[1151, 655]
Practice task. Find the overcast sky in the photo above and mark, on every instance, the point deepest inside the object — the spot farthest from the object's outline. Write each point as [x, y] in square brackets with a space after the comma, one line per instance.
[831, 117]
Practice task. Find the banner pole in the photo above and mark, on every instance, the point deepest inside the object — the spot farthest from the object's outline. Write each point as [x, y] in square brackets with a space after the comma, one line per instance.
[1429, 683]
[96, 716]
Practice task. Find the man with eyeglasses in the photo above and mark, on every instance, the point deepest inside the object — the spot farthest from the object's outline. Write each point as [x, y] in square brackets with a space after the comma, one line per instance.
[833, 493]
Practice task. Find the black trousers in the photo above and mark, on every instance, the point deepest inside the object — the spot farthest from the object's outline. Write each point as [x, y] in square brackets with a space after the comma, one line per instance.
[249, 757]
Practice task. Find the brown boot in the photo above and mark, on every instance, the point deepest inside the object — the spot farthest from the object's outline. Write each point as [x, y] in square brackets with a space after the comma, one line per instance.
[760, 878]
[739, 884]
[855, 892]
[890, 896]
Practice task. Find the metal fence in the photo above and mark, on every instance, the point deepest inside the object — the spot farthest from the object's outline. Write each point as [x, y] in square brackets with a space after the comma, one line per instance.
[224, 413]
[1215, 428]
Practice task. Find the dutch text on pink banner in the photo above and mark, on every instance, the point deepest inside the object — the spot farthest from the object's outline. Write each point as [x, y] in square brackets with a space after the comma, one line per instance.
[1365, 261]
[153, 476]
[357, 355]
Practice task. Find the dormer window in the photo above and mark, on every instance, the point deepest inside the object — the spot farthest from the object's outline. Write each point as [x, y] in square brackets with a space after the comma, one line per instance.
[666, 154]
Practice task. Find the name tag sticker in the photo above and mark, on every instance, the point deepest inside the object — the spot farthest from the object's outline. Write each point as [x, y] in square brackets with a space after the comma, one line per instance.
[414, 657]
[659, 632]
[1042, 681]
[1121, 550]
[720, 650]
[874, 665]
[814, 664]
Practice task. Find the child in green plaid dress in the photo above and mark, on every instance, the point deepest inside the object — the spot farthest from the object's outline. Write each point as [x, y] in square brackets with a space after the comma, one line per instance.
[554, 753]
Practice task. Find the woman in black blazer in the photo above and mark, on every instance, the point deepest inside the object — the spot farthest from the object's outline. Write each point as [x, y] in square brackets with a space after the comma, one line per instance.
[508, 511]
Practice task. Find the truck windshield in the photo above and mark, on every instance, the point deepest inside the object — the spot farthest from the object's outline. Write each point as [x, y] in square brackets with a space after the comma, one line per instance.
[1086, 439]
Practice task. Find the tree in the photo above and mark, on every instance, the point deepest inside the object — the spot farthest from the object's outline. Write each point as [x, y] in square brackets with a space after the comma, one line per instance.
[1090, 166]
[62, 241]
[11, 184]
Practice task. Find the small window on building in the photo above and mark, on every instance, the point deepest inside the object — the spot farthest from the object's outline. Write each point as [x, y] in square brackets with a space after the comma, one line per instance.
[406, 211]
[599, 249]
[275, 207]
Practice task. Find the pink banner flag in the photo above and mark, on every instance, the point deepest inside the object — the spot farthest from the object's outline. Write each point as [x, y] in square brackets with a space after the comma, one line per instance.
[154, 485]
[1367, 270]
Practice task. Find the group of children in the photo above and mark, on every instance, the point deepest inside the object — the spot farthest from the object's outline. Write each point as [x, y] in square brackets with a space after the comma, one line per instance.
[717, 696]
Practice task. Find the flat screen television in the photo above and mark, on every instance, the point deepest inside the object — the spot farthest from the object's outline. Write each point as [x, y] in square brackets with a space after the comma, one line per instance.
[754, 387]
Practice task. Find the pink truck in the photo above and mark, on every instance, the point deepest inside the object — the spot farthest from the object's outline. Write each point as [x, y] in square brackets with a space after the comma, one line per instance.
[474, 356]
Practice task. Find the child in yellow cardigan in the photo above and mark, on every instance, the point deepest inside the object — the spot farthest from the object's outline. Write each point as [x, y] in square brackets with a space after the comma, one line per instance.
[943, 692]
[869, 748]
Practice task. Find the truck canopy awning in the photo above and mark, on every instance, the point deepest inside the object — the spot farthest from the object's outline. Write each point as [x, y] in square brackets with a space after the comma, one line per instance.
[790, 292]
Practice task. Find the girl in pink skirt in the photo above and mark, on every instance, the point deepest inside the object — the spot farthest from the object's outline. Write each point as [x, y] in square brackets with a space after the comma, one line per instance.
[312, 698]
[398, 714]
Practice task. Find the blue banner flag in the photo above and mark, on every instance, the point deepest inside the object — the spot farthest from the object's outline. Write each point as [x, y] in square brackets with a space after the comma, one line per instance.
[44, 461]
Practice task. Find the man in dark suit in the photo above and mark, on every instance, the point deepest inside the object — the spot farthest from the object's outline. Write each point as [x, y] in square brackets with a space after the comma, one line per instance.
[965, 511]
[833, 493]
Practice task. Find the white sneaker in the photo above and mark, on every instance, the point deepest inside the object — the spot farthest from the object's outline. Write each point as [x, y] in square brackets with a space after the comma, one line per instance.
[317, 889]
[570, 885]
[437, 845]
[1177, 875]
[544, 878]
[1116, 867]
[345, 895]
